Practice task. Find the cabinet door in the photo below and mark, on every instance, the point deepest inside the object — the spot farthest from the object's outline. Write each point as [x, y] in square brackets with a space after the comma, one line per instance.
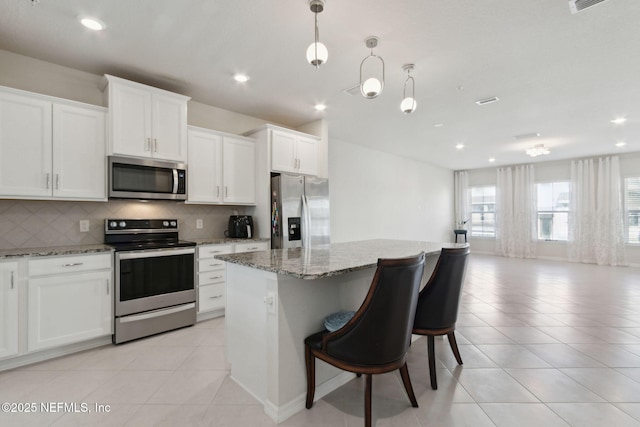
[8, 309]
[130, 110]
[69, 308]
[283, 150]
[25, 146]
[78, 152]
[169, 128]
[307, 154]
[204, 183]
[239, 170]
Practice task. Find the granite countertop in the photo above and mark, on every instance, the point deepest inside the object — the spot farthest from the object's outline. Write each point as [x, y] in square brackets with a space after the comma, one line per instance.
[54, 250]
[223, 240]
[333, 259]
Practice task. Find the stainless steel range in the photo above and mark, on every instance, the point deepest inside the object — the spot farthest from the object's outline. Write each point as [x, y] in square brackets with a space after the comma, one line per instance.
[154, 277]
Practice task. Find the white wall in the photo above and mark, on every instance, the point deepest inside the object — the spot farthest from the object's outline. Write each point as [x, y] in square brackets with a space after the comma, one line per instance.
[548, 172]
[379, 195]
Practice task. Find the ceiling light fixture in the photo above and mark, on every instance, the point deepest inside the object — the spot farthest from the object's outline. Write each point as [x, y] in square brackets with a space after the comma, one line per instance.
[619, 120]
[492, 159]
[320, 107]
[317, 53]
[538, 150]
[92, 24]
[241, 78]
[459, 146]
[408, 104]
[372, 86]
[621, 144]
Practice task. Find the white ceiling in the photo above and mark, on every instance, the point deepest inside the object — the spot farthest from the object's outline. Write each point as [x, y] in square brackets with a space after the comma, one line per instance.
[562, 75]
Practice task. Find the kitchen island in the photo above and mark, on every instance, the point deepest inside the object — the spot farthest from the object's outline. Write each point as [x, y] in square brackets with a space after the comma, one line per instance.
[278, 297]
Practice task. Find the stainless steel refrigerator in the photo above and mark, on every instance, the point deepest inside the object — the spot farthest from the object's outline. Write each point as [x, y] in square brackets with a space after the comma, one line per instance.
[299, 211]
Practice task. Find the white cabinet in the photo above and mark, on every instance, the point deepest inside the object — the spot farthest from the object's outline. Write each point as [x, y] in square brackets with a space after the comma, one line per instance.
[294, 152]
[146, 121]
[221, 168]
[69, 300]
[211, 277]
[50, 149]
[8, 309]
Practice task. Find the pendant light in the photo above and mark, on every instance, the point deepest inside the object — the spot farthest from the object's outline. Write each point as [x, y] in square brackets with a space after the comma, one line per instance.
[317, 53]
[372, 86]
[408, 104]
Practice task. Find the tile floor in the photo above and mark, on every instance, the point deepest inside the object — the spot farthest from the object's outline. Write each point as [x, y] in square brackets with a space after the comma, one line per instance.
[543, 343]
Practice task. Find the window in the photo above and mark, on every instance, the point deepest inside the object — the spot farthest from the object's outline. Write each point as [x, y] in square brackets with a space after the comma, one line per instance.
[483, 211]
[553, 210]
[632, 209]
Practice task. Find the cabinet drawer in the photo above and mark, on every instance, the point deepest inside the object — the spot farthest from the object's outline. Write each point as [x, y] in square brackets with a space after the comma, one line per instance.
[211, 297]
[68, 264]
[209, 277]
[209, 251]
[210, 264]
[252, 246]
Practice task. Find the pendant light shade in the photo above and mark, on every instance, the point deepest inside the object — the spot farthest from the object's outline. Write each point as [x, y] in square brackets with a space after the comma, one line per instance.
[408, 104]
[317, 53]
[371, 72]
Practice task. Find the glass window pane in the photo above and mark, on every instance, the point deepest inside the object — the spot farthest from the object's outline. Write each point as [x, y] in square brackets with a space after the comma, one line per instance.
[553, 200]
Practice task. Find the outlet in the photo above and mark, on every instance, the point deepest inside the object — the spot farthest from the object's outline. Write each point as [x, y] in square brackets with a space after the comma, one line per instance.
[84, 225]
[198, 223]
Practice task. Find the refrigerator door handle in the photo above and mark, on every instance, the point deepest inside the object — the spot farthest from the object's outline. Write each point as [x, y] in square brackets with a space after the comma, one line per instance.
[306, 221]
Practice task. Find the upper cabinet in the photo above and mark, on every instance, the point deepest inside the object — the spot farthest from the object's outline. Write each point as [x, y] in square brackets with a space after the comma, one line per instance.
[292, 151]
[221, 168]
[50, 148]
[145, 121]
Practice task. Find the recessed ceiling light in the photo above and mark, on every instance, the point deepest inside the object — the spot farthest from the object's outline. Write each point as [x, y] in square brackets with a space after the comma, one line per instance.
[492, 159]
[438, 125]
[620, 144]
[619, 120]
[92, 24]
[320, 107]
[459, 146]
[241, 78]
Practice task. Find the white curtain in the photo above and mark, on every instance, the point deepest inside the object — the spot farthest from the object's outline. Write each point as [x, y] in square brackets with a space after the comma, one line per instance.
[596, 231]
[462, 202]
[516, 212]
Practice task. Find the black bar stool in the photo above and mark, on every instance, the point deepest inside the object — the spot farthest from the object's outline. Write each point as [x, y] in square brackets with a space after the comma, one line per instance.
[458, 232]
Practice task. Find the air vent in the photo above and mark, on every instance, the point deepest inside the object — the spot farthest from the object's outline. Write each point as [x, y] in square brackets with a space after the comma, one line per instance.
[527, 136]
[488, 100]
[352, 90]
[579, 5]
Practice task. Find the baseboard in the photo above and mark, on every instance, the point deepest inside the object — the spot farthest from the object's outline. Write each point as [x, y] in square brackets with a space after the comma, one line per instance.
[209, 315]
[41, 356]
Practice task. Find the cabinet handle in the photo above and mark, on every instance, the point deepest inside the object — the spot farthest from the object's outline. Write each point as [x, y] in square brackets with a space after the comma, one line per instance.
[226, 191]
[73, 264]
[12, 280]
[107, 287]
[148, 146]
[215, 277]
[216, 296]
[48, 177]
[155, 145]
[57, 181]
[217, 191]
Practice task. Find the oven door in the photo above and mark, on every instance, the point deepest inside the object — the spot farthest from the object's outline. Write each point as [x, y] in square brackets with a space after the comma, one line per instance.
[154, 278]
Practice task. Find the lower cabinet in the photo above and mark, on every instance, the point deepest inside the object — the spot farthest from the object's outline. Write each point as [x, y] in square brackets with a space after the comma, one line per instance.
[8, 309]
[70, 301]
[211, 273]
[211, 277]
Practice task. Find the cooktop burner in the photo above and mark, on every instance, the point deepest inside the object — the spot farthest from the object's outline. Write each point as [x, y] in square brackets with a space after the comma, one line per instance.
[142, 234]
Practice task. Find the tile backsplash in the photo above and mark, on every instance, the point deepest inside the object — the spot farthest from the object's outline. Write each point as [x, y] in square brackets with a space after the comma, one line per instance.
[34, 223]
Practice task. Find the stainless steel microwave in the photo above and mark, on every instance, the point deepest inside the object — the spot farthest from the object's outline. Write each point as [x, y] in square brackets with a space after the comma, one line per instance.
[133, 178]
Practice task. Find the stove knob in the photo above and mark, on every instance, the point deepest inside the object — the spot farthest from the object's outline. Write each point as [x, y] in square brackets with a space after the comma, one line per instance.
[113, 224]
[174, 224]
[122, 224]
[165, 223]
